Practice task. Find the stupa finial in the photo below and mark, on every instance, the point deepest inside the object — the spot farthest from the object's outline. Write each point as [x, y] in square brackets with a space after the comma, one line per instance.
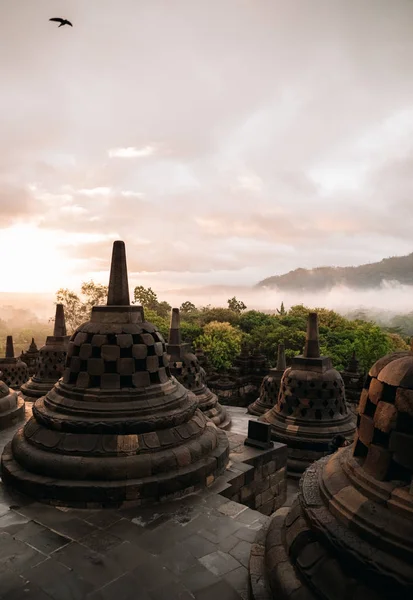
[281, 364]
[118, 292]
[59, 322]
[175, 328]
[9, 347]
[312, 344]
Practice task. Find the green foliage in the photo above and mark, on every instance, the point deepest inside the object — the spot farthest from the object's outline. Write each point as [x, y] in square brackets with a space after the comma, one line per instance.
[236, 306]
[221, 342]
[222, 315]
[220, 331]
[252, 319]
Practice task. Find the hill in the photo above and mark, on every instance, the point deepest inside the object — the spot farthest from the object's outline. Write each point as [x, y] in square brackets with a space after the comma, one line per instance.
[395, 269]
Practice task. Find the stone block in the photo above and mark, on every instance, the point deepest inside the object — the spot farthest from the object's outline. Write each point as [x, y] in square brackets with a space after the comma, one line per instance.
[141, 379]
[125, 366]
[95, 366]
[404, 400]
[110, 352]
[363, 401]
[85, 351]
[98, 340]
[366, 429]
[139, 351]
[246, 492]
[375, 391]
[83, 380]
[152, 364]
[159, 348]
[80, 338]
[377, 462]
[267, 495]
[385, 417]
[124, 340]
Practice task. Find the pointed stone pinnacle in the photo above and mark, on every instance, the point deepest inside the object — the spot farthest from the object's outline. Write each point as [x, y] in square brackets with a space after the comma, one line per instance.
[281, 364]
[118, 292]
[175, 328]
[9, 347]
[59, 322]
[312, 345]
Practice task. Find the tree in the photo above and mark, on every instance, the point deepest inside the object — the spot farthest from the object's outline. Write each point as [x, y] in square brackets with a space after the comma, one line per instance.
[281, 311]
[147, 298]
[221, 342]
[77, 309]
[235, 305]
[187, 308]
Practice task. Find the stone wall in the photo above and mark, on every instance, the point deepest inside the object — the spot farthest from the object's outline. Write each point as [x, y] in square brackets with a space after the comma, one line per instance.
[259, 478]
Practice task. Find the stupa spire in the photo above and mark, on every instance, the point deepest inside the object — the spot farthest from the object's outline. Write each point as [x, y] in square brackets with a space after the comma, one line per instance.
[118, 292]
[59, 322]
[175, 327]
[312, 344]
[281, 364]
[9, 347]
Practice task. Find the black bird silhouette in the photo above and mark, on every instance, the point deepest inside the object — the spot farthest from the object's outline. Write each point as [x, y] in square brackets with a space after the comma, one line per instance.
[61, 21]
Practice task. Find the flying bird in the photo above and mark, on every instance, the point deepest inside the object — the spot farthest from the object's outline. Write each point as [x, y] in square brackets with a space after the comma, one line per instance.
[61, 21]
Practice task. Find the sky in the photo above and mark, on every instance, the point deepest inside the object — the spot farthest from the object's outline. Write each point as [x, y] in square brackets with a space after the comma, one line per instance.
[224, 141]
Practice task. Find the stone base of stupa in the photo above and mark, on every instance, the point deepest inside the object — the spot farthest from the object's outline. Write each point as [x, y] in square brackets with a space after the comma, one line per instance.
[259, 407]
[32, 390]
[12, 410]
[211, 408]
[97, 493]
[347, 536]
[306, 443]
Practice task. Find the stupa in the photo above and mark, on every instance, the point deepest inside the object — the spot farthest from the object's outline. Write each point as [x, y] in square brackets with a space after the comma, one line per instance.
[117, 428]
[11, 405]
[51, 360]
[270, 386]
[349, 534]
[353, 383]
[311, 407]
[30, 357]
[185, 367]
[14, 370]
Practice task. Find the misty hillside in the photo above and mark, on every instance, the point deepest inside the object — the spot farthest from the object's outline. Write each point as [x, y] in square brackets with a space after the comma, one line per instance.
[395, 269]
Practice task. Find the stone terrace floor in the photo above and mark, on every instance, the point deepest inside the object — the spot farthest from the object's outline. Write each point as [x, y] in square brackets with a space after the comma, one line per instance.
[197, 547]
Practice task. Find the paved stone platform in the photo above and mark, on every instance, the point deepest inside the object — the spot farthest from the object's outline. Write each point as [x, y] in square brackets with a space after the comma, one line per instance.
[193, 548]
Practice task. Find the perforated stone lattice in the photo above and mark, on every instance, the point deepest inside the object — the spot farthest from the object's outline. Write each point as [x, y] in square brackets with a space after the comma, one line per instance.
[115, 361]
[384, 439]
[313, 398]
[190, 373]
[270, 389]
[14, 374]
[50, 365]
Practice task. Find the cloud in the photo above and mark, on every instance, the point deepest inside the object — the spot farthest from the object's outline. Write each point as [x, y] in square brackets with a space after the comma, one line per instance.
[243, 141]
[131, 152]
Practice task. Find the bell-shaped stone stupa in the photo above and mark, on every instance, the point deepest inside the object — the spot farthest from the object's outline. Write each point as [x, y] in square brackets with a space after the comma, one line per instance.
[11, 405]
[117, 428]
[30, 357]
[14, 370]
[349, 535]
[270, 386]
[185, 367]
[311, 407]
[51, 360]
